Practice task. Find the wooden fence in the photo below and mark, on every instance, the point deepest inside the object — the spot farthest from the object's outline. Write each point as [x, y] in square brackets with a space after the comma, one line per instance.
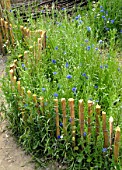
[108, 135]
[7, 36]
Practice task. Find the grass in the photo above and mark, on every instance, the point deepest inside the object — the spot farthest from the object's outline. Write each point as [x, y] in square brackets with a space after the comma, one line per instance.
[80, 62]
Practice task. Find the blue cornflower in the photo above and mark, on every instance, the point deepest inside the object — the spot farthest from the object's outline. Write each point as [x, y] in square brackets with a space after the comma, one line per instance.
[25, 105]
[96, 101]
[121, 31]
[69, 76]
[118, 69]
[101, 7]
[70, 120]
[104, 149]
[54, 61]
[86, 40]
[59, 137]
[45, 103]
[96, 86]
[10, 10]
[88, 48]
[106, 65]
[84, 74]
[103, 17]
[74, 89]
[43, 89]
[80, 22]
[42, 11]
[101, 66]
[88, 29]
[100, 41]
[61, 124]
[112, 21]
[55, 95]
[23, 65]
[96, 49]
[102, 10]
[63, 9]
[107, 29]
[54, 73]
[90, 99]
[56, 48]
[77, 17]
[84, 134]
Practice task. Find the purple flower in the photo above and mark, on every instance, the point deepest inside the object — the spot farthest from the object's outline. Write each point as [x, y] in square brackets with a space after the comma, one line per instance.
[42, 11]
[101, 7]
[107, 29]
[77, 17]
[103, 17]
[86, 40]
[101, 66]
[100, 41]
[55, 95]
[96, 87]
[59, 137]
[106, 65]
[69, 76]
[63, 9]
[56, 48]
[25, 105]
[88, 48]
[112, 21]
[96, 49]
[96, 101]
[84, 134]
[43, 89]
[54, 61]
[23, 65]
[61, 124]
[102, 10]
[84, 74]
[67, 65]
[88, 29]
[118, 69]
[74, 89]
[104, 149]
[54, 73]
[80, 22]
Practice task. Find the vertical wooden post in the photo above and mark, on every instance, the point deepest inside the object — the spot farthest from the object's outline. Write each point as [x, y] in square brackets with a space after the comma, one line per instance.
[7, 32]
[19, 87]
[29, 93]
[34, 98]
[97, 120]
[90, 103]
[72, 114]
[26, 54]
[116, 144]
[11, 74]
[81, 116]
[111, 130]
[63, 104]
[42, 104]
[105, 132]
[57, 117]
[11, 35]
